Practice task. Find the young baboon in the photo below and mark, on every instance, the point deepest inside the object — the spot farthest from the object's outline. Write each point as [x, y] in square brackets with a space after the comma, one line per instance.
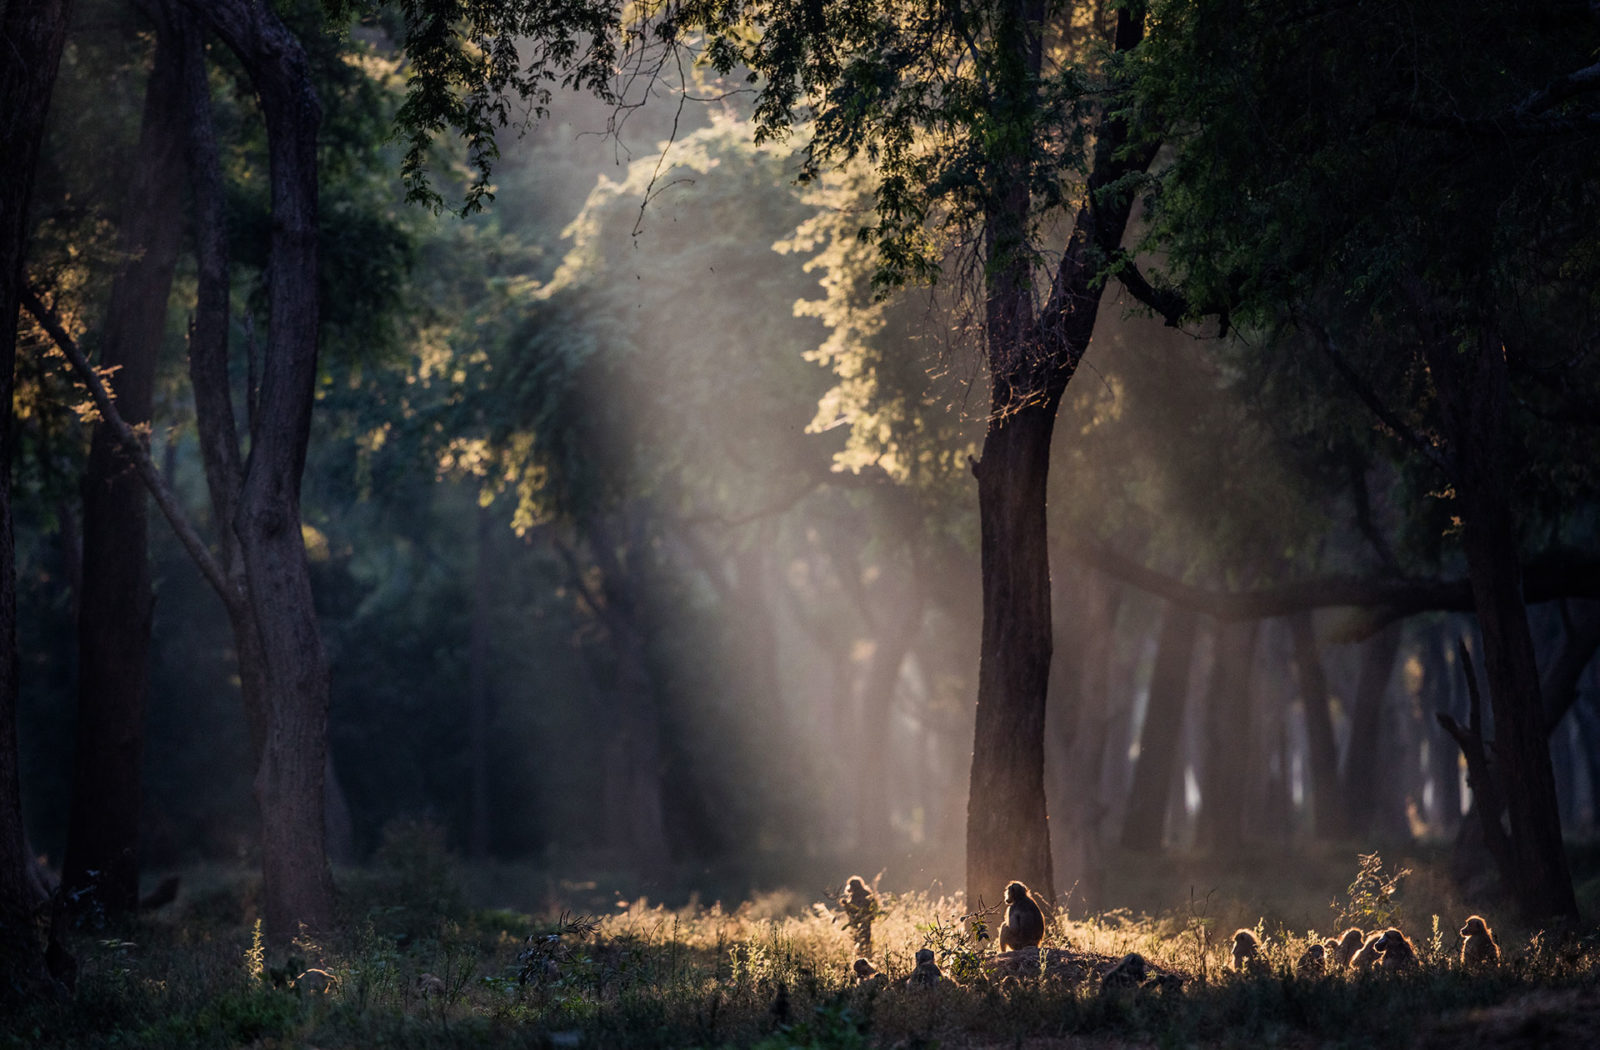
[1312, 962]
[1480, 948]
[1024, 925]
[1367, 955]
[1398, 953]
[1247, 952]
[1344, 947]
[927, 972]
[860, 906]
[864, 971]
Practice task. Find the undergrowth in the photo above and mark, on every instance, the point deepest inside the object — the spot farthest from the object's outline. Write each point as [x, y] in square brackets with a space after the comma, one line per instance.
[415, 966]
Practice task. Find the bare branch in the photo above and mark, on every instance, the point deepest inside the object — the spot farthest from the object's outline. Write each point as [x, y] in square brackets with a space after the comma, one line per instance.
[135, 447]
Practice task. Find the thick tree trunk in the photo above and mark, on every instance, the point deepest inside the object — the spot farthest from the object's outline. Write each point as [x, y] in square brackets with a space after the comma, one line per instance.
[1474, 393]
[116, 603]
[1007, 834]
[1364, 769]
[31, 38]
[1155, 772]
[1328, 812]
[1229, 737]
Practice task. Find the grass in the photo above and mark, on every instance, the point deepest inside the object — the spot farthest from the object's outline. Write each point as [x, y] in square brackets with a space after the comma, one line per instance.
[773, 971]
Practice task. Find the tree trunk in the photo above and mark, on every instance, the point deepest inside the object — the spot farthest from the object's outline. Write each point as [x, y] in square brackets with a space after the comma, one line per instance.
[897, 631]
[1328, 812]
[266, 521]
[1364, 770]
[31, 38]
[1474, 393]
[1157, 764]
[1439, 684]
[1229, 740]
[116, 603]
[480, 703]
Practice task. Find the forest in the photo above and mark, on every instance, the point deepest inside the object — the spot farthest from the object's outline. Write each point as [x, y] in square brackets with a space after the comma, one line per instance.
[799, 523]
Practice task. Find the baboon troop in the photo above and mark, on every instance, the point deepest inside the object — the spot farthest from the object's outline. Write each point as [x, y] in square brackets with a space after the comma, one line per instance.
[1024, 925]
[1247, 952]
[860, 906]
[1367, 955]
[1479, 947]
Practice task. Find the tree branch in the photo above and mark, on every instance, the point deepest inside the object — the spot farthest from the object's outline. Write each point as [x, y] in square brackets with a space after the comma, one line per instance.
[134, 446]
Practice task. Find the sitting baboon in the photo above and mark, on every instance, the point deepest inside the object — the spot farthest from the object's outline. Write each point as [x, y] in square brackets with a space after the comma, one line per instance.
[1480, 948]
[428, 986]
[927, 972]
[860, 906]
[1396, 949]
[1024, 925]
[1312, 962]
[1128, 973]
[1344, 947]
[1367, 955]
[864, 971]
[1247, 952]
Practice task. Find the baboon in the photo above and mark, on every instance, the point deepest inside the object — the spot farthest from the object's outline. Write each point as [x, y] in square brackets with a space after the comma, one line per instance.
[1480, 948]
[1024, 925]
[860, 906]
[428, 986]
[1398, 953]
[864, 971]
[1313, 961]
[1367, 955]
[1247, 952]
[1344, 947]
[1130, 972]
[927, 972]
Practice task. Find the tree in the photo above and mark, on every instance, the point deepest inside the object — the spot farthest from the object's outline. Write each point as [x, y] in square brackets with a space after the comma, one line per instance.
[1316, 195]
[31, 39]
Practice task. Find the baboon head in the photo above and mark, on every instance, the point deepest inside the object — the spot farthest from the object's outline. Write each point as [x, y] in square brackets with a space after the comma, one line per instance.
[1016, 891]
[924, 956]
[1475, 927]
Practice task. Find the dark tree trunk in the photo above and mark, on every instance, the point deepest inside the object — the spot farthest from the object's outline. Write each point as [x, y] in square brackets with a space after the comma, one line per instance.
[1474, 394]
[31, 38]
[1364, 772]
[293, 673]
[1328, 811]
[1032, 354]
[115, 606]
[1229, 737]
[1155, 772]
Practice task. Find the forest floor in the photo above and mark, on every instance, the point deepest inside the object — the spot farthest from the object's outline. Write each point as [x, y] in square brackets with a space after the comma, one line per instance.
[422, 964]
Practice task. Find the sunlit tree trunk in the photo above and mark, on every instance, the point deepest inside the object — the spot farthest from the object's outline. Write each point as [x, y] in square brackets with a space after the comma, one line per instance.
[1156, 770]
[115, 604]
[31, 39]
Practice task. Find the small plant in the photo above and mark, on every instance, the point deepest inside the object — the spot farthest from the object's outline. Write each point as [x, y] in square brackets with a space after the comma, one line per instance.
[1370, 899]
[255, 956]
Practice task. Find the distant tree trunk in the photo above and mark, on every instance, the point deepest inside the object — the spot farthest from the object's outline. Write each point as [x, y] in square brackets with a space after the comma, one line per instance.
[1440, 693]
[115, 605]
[31, 39]
[1155, 772]
[1363, 765]
[480, 704]
[1229, 740]
[1474, 394]
[897, 632]
[1328, 811]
